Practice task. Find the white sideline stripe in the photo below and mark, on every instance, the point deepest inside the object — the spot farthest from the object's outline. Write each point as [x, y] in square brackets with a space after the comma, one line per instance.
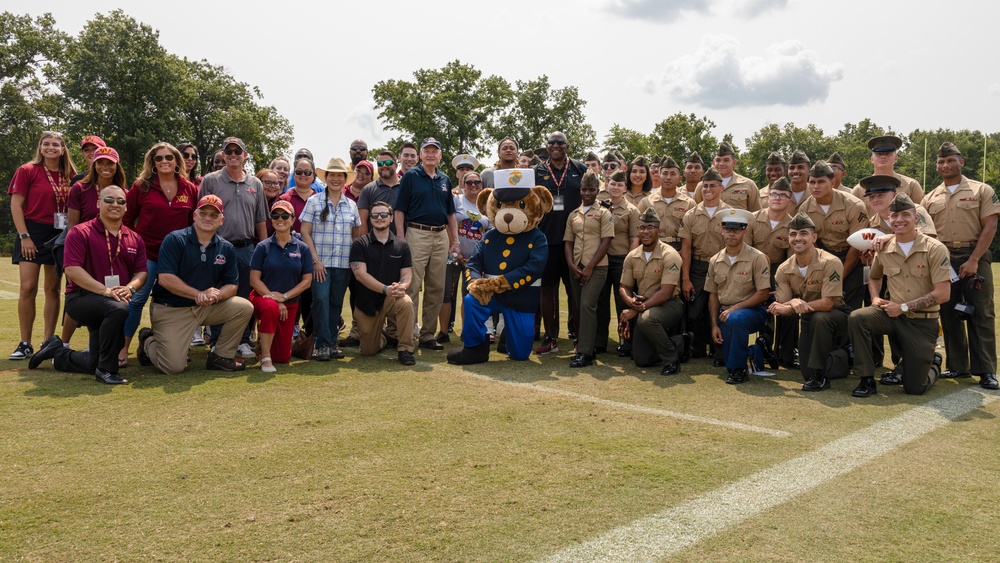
[15, 284]
[8, 294]
[637, 408]
[655, 537]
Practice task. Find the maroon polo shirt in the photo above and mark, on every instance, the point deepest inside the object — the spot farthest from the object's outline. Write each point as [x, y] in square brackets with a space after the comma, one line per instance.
[83, 198]
[298, 204]
[153, 217]
[87, 246]
[39, 197]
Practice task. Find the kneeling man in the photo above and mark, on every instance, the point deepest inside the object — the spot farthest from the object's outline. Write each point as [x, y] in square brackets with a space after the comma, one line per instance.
[739, 280]
[918, 272]
[810, 283]
[195, 286]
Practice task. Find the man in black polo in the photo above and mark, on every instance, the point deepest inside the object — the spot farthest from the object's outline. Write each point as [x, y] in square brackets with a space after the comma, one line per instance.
[561, 175]
[425, 219]
[383, 268]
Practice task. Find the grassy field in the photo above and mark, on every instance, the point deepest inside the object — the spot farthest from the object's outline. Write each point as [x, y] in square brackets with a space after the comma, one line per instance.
[363, 460]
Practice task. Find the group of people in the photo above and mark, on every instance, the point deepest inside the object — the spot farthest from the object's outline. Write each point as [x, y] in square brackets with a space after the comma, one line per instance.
[695, 257]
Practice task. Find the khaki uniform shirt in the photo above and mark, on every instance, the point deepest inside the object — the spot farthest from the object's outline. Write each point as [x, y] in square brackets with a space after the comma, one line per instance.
[958, 216]
[635, 199]
[797, 205]
[742, 193]
[772, 242]
[913, 276]
[705, 232]
[663, 268]
[824, 278]
[670, 214]
[924, 223]
[907, 186]
[585, 231]
[750, 273]
[846, 215]
[626, 227]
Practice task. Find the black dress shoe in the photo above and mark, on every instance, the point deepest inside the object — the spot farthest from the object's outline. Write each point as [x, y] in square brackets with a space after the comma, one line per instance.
[390, 342]
[952, 374]
[406, 357]
[866, 388]
[718, 362]
[988, 381]
[442, 338]
[571, 335]
[431, 345]
[818, 382]
[624, 351]
[144, 359]
[581, 360]
[687, 351]
[109, 378]
[891, 378]
[737, 376]
[789, 365]
[671, 368]
[47, 351]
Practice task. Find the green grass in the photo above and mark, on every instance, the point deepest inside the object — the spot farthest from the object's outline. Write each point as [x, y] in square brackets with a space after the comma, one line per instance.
[363, 460]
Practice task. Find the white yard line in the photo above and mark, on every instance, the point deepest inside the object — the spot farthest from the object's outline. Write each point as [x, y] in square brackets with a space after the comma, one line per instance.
[15, 284]
[655, 537]
[636, 408]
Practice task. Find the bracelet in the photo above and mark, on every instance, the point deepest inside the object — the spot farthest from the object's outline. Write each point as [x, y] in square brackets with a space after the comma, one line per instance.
[384, 289]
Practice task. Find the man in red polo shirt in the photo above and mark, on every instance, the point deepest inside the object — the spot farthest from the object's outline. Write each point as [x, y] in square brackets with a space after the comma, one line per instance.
[105, 263]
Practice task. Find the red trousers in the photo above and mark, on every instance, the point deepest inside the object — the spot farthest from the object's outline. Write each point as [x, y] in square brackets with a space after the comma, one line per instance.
[266, 312]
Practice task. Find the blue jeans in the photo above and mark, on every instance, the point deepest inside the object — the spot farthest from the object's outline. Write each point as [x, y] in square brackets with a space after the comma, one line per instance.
[328, 302]
[736, 334]
[139, 300]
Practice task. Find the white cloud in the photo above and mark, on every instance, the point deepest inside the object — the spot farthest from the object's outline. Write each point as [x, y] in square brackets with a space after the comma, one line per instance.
[364, 119]
[668, 10]
[717, 77]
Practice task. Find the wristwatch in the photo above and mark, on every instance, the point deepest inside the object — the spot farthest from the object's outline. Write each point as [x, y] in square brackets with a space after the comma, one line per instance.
[905, 308]
[24, 236]
[130, 289]
[284, 296]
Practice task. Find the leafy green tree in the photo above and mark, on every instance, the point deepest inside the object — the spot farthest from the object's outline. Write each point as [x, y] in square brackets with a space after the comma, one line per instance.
[630, 142]
[786, 140]
[679, 135]
[538, 110]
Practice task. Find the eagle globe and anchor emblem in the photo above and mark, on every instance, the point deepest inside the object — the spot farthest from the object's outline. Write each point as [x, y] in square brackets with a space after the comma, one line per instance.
[514, 178]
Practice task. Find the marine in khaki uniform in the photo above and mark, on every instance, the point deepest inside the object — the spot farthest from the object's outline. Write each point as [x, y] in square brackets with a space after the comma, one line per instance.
[837, 215]
[809, 285]
[590, 229]
[775, 167]
[768, 233]
[738, 191]
[694, 170]
[884, 156]
[798, 177]
[918, 272]
[654, 172]
[651, 289]
[669, 203]
[701, 238]
[626, 238]
[839, 171]
[638, 181]
[738, 283]
[965, 214]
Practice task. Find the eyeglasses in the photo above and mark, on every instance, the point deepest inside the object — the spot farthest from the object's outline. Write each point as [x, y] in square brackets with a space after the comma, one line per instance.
[110, 200]
[189, 155]
[778, 195]
[473, 182]
[389, 162]
[304, 172]
[648, 227]
[380, 215]
[358, 148]
[272, 184]
[557, 143]
[610, 166]
[237, 151]
[162, 157]
[281, 216]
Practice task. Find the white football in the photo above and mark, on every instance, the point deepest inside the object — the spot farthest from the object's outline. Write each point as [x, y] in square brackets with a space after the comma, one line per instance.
[862, 240]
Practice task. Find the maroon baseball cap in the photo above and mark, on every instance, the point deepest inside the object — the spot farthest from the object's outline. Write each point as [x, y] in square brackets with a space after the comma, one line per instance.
[93, 140]
[211, 200]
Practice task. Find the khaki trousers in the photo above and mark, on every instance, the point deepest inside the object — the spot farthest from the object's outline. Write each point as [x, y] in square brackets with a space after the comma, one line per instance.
[429, 252]
[172, 328]
[370, 333]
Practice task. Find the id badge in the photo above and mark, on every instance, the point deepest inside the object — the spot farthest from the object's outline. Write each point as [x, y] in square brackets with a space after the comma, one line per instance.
[60, 221]
[557, 203]
[111, 281]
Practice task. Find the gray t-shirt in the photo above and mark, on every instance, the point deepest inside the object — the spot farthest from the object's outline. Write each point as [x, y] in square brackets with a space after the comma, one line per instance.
[244, 204]
[377, 191]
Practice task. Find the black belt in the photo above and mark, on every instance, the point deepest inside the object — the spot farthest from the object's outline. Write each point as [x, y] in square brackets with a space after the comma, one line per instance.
[437, 229]
[241, 243]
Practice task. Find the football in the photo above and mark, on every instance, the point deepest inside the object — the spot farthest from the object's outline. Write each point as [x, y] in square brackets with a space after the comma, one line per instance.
[862, 240]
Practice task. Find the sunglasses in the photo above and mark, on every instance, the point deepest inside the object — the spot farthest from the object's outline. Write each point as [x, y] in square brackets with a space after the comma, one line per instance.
[110, 200]
[389, 162]
[380, 215]
[237, 151]
[162, 157]
[358, 148]
[558, 143]
[281, 216]
[610, 166]
[304, 172]
[189, 155]
[473, 182]
[272, 184]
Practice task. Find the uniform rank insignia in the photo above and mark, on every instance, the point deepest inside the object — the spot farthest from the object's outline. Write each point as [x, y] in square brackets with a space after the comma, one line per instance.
[672, 268]
[834, 277]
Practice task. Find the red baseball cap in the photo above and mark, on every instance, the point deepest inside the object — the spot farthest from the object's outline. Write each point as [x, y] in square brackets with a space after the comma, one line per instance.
[210, 200]
[93, 140]
[107, 153]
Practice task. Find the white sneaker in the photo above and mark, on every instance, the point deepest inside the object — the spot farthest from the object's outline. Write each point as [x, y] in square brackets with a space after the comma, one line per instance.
[246, 351]
[196, 339]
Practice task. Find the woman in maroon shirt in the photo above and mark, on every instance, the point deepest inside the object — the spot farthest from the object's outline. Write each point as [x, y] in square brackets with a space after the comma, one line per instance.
[161, 201]
[189, 156]
[38, 194]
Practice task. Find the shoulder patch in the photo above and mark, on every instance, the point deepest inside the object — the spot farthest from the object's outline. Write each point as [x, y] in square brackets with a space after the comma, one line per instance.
[944, 262]
[834, 277]
[862, 217]
[672, 268]
[995, 198]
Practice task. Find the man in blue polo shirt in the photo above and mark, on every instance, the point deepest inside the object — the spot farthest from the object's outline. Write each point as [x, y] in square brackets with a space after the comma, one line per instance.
[196, 285]
[426, 208]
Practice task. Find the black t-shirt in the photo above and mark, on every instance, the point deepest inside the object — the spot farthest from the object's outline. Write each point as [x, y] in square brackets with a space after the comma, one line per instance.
[384, 263]
[554, 223]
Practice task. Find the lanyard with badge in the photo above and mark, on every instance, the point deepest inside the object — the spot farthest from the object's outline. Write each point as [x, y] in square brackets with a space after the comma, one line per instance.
[558, 204]
[61, 192]
[112, 280]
